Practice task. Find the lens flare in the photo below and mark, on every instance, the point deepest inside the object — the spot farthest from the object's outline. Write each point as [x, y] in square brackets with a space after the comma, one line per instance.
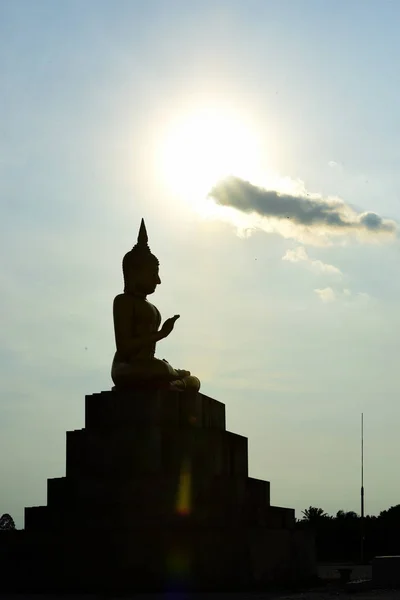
[183, 504]
[179, 568]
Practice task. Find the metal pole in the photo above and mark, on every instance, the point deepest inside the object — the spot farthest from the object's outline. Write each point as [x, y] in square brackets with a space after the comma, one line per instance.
[362, 489]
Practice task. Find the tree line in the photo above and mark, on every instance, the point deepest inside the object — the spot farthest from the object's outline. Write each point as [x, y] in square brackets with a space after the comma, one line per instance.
[348, 538]
[343, 537]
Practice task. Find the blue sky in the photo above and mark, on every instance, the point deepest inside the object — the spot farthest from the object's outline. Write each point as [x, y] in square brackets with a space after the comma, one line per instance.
[292, 326]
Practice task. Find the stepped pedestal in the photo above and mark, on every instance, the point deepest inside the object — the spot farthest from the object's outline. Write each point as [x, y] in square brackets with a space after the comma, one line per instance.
[157, 496]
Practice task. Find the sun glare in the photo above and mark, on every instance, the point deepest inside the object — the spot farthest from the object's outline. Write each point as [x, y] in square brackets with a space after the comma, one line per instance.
[202, 148]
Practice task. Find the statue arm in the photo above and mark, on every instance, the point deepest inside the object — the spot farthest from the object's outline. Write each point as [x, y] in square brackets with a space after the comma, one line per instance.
[125, 342]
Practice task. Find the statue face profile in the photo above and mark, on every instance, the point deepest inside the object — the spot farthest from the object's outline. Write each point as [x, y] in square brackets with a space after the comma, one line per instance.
[143, 279]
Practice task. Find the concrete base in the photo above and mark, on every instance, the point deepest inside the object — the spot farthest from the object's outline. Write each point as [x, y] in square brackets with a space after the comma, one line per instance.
[386, 571]
[185, 558]
[157, 497]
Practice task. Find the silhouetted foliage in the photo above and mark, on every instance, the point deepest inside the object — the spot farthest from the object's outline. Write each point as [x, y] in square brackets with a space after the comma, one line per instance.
[6, 522]
[341, 514]
[339, 538]
[314, 514]
[392, 514]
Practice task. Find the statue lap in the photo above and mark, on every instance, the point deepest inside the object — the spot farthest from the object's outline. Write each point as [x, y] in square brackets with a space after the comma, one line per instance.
[152, 374]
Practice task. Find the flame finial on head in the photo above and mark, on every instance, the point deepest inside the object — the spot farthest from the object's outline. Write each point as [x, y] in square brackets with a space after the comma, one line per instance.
[143, 238]
[140, 256]
[141, 250]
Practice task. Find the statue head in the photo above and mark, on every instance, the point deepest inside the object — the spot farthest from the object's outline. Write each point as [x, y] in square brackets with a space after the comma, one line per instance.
[140, 267]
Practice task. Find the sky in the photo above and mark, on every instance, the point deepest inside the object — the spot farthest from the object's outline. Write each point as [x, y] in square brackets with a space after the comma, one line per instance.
[259, 140]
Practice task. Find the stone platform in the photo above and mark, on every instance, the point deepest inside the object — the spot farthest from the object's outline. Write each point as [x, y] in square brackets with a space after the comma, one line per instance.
[157, 497]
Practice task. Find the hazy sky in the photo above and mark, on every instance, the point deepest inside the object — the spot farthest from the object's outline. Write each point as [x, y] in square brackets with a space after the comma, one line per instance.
[287, 281]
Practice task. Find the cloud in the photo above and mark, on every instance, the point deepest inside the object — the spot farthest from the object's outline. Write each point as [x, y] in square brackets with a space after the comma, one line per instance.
[301, 215]
[334, 165]
[328, 295]
[300, 255]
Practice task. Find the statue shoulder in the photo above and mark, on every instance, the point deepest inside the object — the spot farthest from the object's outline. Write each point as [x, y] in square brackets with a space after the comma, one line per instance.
[121, 299]
[123, 304]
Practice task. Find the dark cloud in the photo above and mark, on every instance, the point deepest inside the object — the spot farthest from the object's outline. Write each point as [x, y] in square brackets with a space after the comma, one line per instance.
[372, 221]
[310, 212]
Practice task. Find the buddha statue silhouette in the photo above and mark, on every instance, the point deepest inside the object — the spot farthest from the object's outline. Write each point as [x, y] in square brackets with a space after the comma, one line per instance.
[137, 327]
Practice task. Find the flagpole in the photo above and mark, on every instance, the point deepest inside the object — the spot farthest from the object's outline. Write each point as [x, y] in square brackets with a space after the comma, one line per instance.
[362, 490]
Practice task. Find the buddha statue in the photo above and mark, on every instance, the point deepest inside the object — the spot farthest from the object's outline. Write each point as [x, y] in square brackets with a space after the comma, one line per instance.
[137, 327]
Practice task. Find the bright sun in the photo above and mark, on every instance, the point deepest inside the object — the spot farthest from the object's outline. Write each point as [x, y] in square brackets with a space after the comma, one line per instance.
[203, 147]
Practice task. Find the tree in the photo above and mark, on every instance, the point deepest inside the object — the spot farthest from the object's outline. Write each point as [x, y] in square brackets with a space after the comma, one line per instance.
[314, 514]
[392, 514]
[349, 516]
[338, 538]
[7, 522]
